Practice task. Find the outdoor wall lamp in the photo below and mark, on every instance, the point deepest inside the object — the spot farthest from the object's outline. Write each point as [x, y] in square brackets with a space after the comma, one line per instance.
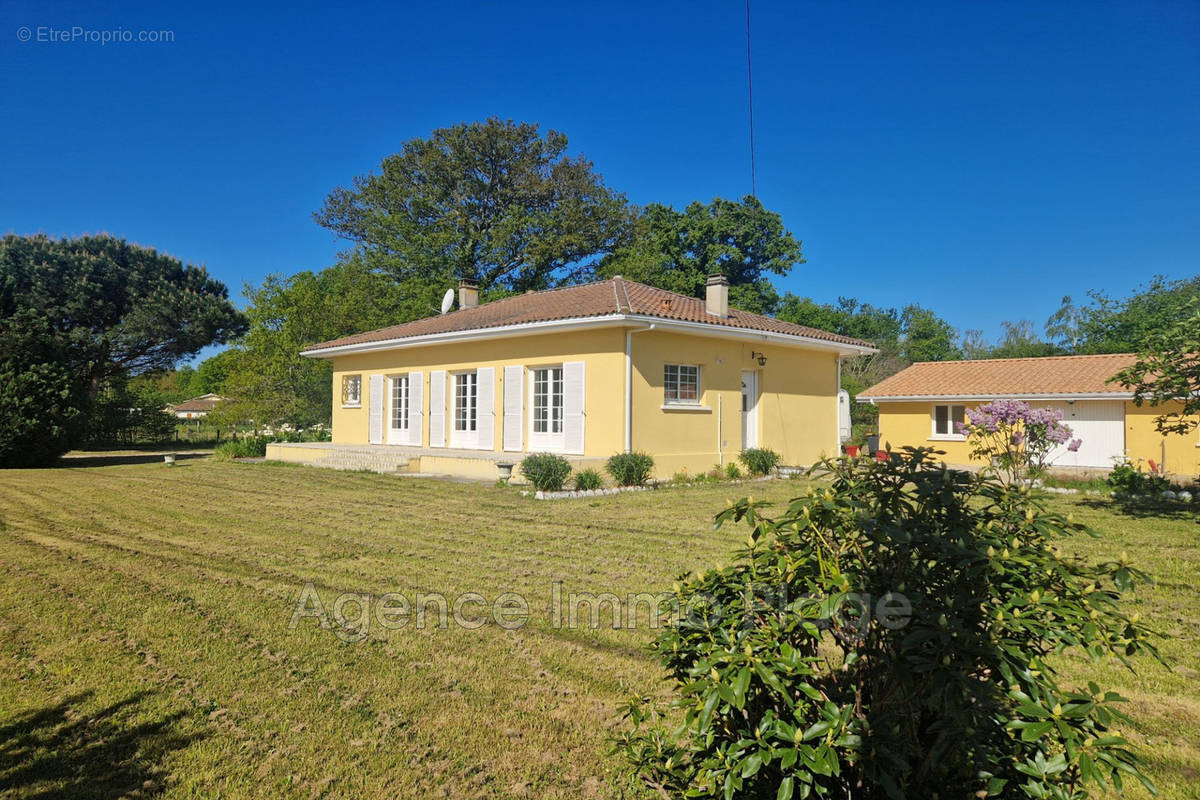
[762, 359]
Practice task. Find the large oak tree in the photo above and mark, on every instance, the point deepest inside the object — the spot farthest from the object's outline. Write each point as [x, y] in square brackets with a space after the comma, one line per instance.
[497, 201]
[678, 250]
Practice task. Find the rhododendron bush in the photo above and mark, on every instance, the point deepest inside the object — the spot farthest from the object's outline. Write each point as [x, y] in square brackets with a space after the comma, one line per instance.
[1016, 437]
[892, 633]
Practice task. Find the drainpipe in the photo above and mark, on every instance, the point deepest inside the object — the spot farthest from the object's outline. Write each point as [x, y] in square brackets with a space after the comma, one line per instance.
[629, 384]
[720, 432]
[837, 420]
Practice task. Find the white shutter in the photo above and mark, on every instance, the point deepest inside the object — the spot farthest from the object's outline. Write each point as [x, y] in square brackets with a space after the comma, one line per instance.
[437, 408]
[485, 407]
[415, 404]
[375, 411]
[514, 414]
[573, 411]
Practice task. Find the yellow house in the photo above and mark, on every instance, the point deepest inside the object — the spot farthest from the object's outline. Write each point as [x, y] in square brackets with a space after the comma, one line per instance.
[586, 371]
[920, 405]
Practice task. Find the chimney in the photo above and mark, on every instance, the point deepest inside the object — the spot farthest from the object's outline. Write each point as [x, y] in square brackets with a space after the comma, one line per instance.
[716, 295]
[468, 293]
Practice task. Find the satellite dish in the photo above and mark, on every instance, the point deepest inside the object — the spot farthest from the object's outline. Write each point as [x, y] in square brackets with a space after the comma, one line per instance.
[447, 300]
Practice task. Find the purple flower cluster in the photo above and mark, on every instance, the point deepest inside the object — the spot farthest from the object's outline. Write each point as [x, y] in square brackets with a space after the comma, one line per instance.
[1033, 427]
[1015, 436]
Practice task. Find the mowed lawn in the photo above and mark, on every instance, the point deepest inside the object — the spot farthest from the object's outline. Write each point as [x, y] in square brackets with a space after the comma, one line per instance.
[145, 647]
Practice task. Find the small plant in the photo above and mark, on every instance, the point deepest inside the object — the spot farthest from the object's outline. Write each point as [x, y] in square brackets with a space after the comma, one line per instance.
[732, 472]
[1128, 478]
[588, 480]
[892, 634]
[759, 460]
[546, 471]
[717, 473]
[245, 447]
[630, 469]
[1016, 438]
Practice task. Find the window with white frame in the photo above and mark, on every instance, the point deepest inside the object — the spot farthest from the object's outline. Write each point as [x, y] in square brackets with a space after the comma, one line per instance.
[548, 400]
[399, 402]
[466, 388]
[946, 419]
[352, 390]
[681, 383]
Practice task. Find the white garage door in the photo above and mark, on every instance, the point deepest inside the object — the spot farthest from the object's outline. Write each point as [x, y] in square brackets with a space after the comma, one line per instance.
[1101, 426]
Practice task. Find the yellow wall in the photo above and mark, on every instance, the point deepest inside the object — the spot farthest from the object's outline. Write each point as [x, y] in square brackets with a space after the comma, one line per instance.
[1143, 443]
[602, 351]
[797, 407]
[909, 424]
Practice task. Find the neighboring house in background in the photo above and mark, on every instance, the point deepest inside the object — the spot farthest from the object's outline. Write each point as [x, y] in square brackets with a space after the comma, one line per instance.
[197, 407]
[587, 371]
[920, 405]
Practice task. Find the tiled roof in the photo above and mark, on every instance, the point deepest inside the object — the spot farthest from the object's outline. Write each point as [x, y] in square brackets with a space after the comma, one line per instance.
[205, 402]
[996, 377]
[599, 299]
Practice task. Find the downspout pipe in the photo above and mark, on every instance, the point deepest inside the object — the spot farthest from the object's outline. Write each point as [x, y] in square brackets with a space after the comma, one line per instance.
[629, 332]
[837, 420]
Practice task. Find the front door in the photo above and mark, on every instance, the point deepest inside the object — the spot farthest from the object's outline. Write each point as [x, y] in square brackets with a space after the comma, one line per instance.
[749, 410]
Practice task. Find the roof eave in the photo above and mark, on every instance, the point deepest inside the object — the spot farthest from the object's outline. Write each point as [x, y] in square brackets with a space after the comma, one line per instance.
[750, 334]
[876, 399]
[587, 323]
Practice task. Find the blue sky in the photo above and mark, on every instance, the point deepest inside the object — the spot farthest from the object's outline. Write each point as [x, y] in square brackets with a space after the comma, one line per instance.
[979, 159]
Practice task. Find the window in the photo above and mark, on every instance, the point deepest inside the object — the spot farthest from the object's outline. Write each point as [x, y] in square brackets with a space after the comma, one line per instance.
[399, 402]
[946, 420]
[465, 390]
[352, 390]
[548, 400]
[681, 384]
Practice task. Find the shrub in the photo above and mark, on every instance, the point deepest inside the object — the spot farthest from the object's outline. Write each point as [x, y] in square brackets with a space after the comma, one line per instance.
[546, 471]
[42, 413]
[245, 447]
[1128, 478]
[732, 472]
[588, 480]
[630, 469]
[759, 461]
[892, 634]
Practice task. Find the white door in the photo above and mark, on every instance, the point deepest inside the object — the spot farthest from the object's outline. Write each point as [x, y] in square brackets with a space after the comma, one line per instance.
[1100, 425]
[749, 410]
[546, 409]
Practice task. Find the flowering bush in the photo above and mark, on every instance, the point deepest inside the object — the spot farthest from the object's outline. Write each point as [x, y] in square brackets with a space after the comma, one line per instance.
[1016, 437]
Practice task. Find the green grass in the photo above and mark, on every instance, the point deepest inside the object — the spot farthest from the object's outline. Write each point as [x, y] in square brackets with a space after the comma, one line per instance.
[145, 647]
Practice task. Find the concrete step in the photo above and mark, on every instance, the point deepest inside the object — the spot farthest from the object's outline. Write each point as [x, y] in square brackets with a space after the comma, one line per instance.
[374, 462]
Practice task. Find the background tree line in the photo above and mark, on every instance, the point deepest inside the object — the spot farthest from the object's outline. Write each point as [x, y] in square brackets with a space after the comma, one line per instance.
[506, 205]
[91, 329]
